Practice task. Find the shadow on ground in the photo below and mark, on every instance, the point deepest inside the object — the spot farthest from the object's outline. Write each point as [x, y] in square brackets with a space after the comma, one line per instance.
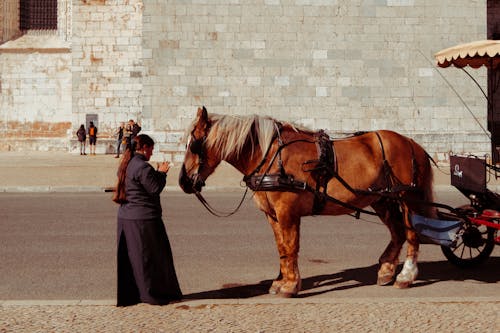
[430, 272]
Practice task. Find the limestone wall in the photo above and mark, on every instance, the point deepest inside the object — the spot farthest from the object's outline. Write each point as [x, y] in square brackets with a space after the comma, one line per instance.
[335, 64]
[107, 62]
[35, 83]
[338, 65]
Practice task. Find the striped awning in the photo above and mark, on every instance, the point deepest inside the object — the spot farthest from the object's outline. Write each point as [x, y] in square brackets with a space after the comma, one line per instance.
[474, 54]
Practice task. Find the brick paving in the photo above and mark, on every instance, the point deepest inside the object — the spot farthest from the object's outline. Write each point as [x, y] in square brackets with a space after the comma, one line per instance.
[292, 315]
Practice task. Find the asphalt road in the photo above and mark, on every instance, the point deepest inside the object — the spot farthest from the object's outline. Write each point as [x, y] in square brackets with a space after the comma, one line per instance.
[58, 246]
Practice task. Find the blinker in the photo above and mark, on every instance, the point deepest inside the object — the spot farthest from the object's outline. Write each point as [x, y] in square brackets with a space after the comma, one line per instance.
[196, 146]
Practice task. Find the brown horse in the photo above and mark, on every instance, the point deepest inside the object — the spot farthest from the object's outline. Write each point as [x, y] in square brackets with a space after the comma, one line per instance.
[384, 170]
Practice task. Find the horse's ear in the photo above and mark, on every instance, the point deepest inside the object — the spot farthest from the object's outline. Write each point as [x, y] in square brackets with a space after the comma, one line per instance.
[203, 115]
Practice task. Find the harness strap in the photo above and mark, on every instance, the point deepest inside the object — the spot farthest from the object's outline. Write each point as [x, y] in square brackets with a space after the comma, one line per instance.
[324, 170]
[214, 211]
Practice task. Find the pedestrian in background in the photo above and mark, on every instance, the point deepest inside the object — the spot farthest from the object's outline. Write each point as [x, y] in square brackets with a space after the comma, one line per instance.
[82, 138]
[119, 138]
[132, 130]
[146, 272]
[92, 137]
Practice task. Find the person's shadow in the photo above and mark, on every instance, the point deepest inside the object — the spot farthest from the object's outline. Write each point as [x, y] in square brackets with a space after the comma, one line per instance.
[429, 273]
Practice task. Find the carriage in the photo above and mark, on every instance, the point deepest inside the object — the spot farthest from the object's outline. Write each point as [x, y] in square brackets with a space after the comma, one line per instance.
[479, 221]
[295, 172]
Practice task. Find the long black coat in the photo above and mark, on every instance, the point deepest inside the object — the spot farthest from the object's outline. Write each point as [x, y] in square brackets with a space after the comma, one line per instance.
[146, 271]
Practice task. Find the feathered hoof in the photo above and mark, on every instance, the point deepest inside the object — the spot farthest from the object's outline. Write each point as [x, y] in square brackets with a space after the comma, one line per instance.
[402, 284]
[407, 276]
[274, 291]
[287, 295]
[276, 287]
[290, 289]
[385, 274]
[385, 280]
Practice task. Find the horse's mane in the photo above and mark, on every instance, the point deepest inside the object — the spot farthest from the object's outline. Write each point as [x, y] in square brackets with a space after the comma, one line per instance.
[229, 133]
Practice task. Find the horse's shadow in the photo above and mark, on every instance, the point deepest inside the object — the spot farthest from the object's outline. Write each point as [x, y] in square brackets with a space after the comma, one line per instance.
[430, 272]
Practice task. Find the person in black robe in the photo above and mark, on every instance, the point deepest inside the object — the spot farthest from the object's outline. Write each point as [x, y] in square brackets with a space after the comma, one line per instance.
[146, 272]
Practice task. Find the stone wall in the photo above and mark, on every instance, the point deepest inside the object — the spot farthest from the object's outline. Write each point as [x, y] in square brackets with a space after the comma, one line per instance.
[107, 62]
[35, 83]
[338, 65]
[35, 100]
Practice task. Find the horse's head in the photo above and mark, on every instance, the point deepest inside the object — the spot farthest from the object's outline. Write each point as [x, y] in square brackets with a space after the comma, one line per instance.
[199, 161]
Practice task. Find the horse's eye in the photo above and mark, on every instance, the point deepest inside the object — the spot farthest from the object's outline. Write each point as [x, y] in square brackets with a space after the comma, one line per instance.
[196, 146]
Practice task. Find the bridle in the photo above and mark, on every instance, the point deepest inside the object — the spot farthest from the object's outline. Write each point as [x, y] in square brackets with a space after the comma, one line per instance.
[196, 147]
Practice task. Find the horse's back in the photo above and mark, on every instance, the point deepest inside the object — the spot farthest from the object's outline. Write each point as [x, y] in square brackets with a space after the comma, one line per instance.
[365, 160]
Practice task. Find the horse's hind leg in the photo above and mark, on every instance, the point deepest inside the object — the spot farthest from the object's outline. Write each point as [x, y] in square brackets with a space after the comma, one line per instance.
[408, 274]
[388, 211]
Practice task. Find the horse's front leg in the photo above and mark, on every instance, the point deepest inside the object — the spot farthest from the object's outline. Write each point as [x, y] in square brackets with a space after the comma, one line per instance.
[287, 233]
[279, 281]
[409, 273]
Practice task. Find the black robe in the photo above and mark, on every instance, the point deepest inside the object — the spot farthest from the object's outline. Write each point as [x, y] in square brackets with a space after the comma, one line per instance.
[146, 272]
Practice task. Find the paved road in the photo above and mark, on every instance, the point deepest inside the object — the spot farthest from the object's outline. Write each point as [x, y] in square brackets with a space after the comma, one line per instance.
[62, 246]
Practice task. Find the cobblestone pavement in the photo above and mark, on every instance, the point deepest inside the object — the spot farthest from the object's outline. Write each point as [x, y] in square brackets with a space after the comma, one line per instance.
[292, 315]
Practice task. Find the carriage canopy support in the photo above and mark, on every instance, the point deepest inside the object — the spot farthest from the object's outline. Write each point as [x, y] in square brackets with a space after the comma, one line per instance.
[477, 54]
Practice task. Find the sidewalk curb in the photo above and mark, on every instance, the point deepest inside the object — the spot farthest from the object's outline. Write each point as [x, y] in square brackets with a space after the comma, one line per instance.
[259, 300]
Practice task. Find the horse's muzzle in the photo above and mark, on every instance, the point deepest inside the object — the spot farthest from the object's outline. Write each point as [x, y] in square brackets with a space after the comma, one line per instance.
[191, 184]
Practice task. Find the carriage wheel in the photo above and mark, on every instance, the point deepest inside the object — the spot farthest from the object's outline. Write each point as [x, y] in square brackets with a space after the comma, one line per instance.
[473, 248]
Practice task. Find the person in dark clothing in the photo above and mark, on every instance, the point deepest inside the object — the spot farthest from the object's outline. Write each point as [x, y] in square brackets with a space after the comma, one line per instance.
[82, 137]
[119, 138]
[135, 128]
[92, 137]
[146, 272]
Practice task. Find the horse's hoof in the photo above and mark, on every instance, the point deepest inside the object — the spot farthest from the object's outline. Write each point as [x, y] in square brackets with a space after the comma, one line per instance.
[289, 290]
[407, 276]
[402, 284]
[287, 295]
[384, 280]
[385, 274]
[274, 291]
[275, 287]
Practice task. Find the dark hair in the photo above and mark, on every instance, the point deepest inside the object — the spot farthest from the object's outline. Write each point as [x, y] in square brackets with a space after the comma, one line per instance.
[141, 141]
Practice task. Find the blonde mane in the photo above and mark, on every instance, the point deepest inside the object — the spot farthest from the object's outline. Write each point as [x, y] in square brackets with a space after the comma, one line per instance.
[229, 133]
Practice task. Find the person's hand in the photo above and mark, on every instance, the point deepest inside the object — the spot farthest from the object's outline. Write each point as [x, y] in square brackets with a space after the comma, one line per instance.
[164, 166]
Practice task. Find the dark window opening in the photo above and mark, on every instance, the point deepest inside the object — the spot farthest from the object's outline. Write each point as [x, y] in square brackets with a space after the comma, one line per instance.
[38, 15]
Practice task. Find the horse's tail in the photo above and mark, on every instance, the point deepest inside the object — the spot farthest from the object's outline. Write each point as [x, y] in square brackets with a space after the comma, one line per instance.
[425, 182]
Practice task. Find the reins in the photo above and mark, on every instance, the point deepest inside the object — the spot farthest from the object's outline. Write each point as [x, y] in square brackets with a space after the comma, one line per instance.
[214, 211]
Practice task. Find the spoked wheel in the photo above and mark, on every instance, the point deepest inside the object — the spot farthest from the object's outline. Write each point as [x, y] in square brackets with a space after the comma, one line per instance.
[474, 247]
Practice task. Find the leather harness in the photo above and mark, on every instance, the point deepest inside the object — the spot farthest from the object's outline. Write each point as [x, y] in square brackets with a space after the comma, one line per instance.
[322, 171]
